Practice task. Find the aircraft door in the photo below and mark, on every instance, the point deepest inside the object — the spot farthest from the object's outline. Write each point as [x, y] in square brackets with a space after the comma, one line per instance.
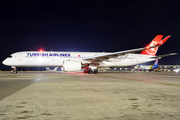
[20, 57]
[137, 58]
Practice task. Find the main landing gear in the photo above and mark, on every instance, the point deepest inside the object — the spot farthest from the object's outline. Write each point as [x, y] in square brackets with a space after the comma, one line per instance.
[90, 71]
[14, 70]
[96, 71]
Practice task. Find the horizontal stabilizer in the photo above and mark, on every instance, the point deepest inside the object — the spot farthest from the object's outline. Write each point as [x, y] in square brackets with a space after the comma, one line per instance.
[165, 55]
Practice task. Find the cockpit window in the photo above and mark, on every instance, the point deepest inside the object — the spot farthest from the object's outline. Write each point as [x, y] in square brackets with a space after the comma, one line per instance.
[10, 56]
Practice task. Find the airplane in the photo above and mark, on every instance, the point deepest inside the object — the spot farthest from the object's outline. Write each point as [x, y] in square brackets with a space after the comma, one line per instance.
[75, 61]
[150, 67]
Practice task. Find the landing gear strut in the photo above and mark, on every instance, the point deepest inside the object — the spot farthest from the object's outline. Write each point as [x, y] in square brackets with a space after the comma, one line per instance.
[14, 70]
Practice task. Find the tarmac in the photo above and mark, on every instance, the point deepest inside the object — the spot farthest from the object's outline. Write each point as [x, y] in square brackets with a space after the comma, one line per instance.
[79, 96]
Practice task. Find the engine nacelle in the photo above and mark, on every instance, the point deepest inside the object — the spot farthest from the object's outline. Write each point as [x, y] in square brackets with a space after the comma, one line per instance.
[71, 66]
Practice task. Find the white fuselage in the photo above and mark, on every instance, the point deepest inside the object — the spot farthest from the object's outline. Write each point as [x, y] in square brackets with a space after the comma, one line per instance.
[55, 59]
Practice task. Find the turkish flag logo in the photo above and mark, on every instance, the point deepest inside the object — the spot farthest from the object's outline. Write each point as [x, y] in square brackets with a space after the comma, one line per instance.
[152, 50]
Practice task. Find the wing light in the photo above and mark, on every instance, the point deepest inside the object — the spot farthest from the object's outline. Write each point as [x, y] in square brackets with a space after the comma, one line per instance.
[148, 47]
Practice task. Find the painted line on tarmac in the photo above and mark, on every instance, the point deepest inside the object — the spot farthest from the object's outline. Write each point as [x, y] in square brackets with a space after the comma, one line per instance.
[17, 78]
[141, 80]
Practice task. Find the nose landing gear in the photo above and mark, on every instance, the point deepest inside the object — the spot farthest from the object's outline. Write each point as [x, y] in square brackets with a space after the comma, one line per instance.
[14, 70]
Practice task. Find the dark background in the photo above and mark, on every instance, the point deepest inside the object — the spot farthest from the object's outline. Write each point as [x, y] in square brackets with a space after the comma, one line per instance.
[88, 26]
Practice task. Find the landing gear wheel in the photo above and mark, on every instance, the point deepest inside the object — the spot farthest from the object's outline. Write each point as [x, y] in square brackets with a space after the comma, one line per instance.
[96, 72]
[15, 71]
[90, 71]
[85, 71]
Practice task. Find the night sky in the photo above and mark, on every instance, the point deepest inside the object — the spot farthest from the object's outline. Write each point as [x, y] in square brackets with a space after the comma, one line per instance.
[88, 26]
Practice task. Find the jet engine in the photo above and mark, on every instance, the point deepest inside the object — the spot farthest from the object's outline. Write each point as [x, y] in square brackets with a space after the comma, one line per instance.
[71, 66]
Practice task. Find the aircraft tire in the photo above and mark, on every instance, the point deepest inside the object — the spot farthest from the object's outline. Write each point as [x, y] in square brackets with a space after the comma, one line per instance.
[85, 71]
[90, 71]
[96, 72]
[15, 71]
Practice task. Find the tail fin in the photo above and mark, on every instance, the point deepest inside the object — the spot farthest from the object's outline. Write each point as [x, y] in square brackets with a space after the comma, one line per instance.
[157, 41]
[155, 65]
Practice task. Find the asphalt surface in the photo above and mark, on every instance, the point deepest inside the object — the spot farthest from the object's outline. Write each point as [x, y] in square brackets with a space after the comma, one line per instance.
[79, 96]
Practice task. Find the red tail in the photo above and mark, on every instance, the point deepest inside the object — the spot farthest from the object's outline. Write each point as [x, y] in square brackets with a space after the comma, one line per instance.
[157, 41]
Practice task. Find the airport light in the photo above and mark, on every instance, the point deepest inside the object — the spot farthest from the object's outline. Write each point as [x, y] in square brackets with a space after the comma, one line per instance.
[177, 70]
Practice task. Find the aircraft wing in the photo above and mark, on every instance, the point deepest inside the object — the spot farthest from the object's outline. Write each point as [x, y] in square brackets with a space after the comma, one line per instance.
[103, 57]
[165, 55]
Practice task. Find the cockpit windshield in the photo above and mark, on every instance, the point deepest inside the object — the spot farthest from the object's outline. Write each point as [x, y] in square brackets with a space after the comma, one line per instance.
[10, 56]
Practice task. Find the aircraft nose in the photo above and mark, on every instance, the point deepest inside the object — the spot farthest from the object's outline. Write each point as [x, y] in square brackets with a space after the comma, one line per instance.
[4, 62]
